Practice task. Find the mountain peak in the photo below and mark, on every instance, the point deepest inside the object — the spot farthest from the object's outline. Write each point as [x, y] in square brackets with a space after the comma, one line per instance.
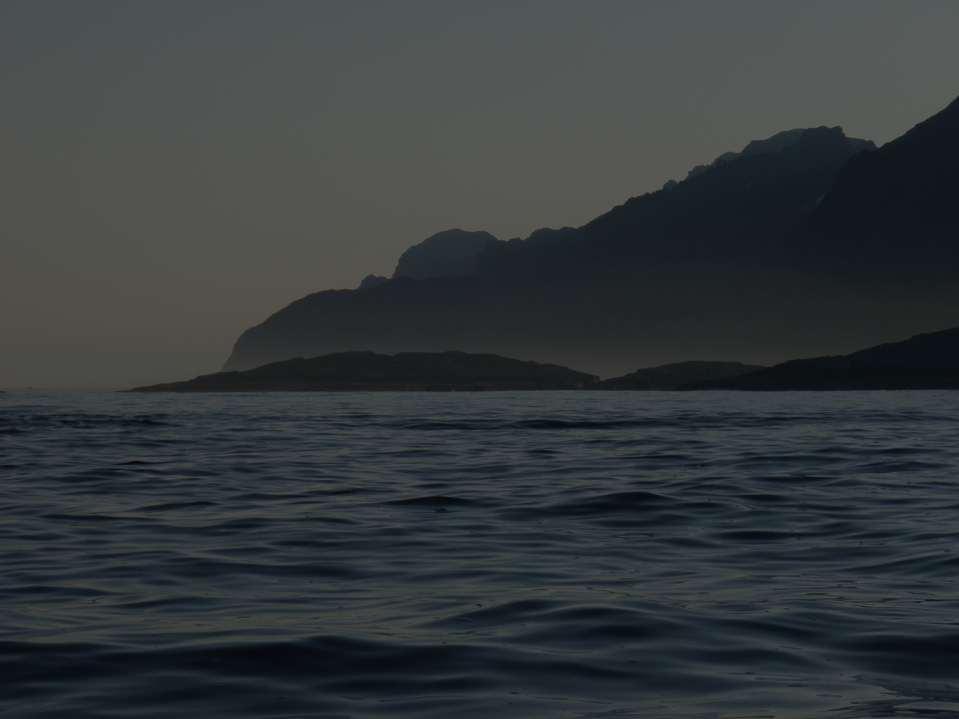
[451, 253]
[798, 139]
[371, 281]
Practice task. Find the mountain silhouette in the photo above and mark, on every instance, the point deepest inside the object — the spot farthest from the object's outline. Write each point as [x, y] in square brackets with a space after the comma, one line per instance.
[895, 206]
[788, 247]
[372, 281]
[453, 253]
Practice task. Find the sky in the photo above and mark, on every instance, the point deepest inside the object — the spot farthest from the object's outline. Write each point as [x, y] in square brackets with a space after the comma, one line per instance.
[174, 172]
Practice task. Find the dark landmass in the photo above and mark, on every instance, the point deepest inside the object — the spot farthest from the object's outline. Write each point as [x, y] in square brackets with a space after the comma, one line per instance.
[894, 208]
[926, 361]
[372, 281]
[369, 371]
[453, 253]
[782, 141]
[802, 244]
[678, 375]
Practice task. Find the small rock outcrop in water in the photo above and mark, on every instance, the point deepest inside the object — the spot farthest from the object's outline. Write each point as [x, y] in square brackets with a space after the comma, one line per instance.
[926, 361]
[406, 371]
[678, 375]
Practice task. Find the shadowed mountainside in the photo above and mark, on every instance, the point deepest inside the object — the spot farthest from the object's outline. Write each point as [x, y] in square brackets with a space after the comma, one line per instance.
[926, 361]
[366, 371]
[763, 254]
[678, 375]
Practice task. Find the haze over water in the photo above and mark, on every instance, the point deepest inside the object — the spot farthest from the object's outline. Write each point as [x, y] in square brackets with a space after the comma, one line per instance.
[513, 555]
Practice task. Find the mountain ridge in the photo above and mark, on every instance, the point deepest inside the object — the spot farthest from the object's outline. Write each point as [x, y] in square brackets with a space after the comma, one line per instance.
[740, 258]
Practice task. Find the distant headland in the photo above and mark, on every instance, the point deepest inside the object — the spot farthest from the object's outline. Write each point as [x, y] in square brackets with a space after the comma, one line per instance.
[678, 375]
[926, 361]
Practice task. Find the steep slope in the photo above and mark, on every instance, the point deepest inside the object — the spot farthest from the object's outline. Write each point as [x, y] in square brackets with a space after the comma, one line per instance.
[896, 206]
[926, 361]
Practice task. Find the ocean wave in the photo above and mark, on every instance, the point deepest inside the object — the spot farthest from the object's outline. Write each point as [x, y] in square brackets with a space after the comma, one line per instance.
[518, 555]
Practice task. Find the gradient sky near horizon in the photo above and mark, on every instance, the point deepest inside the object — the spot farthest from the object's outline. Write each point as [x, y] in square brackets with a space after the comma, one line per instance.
[175, 171]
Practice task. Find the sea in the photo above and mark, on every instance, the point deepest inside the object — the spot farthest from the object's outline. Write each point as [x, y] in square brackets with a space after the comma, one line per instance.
[538, 554]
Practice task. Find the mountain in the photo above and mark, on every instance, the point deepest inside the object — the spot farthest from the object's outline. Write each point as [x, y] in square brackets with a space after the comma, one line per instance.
[738, 209]
[787, 140]
[764, 254]
[372, 281]
[366, 371]
[926, 361]
[895, 206]
[678, 375]
[453, 253]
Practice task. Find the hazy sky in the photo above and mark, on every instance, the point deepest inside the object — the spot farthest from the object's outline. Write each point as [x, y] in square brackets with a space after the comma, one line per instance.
[172, 172]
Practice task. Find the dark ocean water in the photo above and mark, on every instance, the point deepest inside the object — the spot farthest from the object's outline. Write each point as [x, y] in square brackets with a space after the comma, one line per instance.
[480, 555]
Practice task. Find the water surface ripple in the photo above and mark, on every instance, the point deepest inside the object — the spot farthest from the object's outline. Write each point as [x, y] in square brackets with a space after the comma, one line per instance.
[479, 555]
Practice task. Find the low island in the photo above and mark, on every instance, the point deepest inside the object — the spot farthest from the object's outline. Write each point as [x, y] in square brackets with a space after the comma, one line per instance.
[926, 361]
[405, 371]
